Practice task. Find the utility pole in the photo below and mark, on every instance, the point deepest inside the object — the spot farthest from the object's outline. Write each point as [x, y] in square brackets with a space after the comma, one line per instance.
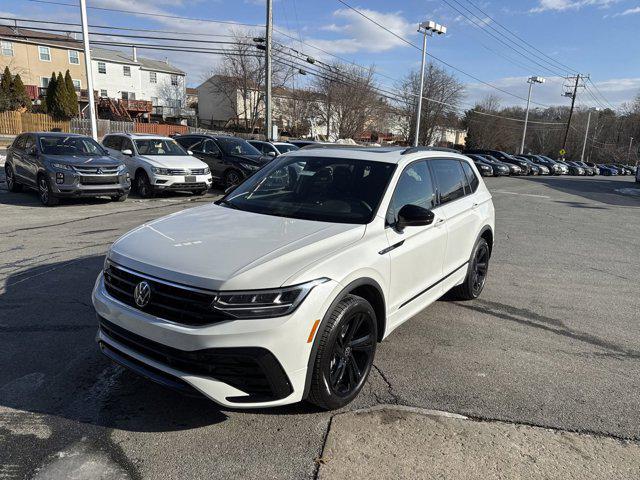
[629, 151]
[586, 133]
[426, 28]
[87, 66]
[573, 102]
[268, 68]
[530, 81]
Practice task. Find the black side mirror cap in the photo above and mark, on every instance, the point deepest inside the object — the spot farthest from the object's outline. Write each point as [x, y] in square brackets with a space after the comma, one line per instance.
[413, 216]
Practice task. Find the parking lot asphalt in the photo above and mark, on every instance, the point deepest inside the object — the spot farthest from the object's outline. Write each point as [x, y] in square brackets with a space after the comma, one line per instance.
[554, 341]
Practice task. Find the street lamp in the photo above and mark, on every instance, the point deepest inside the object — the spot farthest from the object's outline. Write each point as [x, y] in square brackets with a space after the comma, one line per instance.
[530, 81]
[586, 132]
[426, 28]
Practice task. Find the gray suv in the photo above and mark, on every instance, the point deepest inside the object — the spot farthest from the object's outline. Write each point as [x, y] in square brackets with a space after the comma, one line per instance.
[64, 165]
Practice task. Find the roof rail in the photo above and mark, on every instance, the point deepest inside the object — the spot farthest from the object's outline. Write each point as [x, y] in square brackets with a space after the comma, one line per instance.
[313, 146]
[428, 149]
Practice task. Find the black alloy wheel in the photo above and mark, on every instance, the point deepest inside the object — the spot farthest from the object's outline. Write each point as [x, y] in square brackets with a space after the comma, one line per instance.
[477, 271]
[12, 185]
[346, 349]
[232, 178]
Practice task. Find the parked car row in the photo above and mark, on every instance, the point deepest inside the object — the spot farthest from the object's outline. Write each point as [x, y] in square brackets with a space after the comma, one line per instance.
[498, 163]
[60, 165]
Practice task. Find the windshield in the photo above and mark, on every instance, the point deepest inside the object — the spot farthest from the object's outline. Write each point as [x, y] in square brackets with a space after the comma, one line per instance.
[70, 145]
[236, 146]
[158, 146]
[284, 148]
[313, 188]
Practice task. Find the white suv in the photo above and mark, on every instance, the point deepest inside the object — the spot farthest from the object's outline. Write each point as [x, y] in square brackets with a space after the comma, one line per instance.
[281, 290]
[158, 164]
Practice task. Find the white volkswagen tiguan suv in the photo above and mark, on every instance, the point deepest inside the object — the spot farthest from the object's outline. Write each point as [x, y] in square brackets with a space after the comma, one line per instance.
[158, 164]
[281, 290]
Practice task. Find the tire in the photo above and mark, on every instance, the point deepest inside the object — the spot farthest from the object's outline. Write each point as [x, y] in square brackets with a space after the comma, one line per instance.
[143, 185]
[12, 184]
[120, 198]
[477, 272]
[200, 192]
[47, 198]
[342, 363]
[232, 177]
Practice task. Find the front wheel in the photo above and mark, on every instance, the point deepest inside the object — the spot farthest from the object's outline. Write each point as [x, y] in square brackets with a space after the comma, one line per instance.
[47, 197]
[119, 198]
[200, 192]
[346, 349]
[232, 178]
[143, 185]
[477, 272]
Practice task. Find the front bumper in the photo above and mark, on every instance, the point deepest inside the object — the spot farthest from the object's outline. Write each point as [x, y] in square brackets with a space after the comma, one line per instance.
[180, 182]
[71, 184]
[237, 363]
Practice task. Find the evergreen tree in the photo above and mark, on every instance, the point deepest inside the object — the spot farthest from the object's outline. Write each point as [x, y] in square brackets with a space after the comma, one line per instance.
[71, 100]
[5, 90]
[19, 94]
[49, 101]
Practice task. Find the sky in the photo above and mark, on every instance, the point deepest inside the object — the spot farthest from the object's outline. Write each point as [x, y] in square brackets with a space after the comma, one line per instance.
[595, 37]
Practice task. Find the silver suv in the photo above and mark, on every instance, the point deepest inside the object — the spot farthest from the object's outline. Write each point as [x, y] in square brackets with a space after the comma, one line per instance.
[61, 165]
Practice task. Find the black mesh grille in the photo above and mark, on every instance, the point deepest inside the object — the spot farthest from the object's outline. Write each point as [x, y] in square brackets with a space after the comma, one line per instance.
[169, 302]
[253, 370]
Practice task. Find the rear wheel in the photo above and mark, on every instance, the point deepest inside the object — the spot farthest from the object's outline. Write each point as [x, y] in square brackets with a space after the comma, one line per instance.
[232, 178]
[346, 350]
[476, 273]
[200, 192]
[12, 184]
[143, 185]
[44, 192]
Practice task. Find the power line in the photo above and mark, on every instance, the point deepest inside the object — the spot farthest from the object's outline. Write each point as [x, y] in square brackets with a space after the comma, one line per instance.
[601, 95]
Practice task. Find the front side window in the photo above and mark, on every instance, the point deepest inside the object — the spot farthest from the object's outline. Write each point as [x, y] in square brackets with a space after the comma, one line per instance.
[153, 77]
[209, 146]
[74, 57]
[69, 145]
[102, 67]
[414, 187]
[7, 48]
[29, 142]
[315, 188]
[449, 178]
[158, 146]
[45, 54]
[126, 70]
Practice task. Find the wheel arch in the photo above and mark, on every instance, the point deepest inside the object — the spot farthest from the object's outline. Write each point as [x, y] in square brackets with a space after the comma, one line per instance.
[364, 287]
[487, 233]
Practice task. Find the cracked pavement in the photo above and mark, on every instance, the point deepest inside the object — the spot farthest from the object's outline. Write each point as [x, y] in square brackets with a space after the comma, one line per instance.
[553, 342]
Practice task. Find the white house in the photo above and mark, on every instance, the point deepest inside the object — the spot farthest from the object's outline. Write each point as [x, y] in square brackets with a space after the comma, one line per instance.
[118, 75]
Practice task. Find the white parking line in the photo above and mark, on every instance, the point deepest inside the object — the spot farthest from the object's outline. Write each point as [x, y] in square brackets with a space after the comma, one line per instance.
[522, 194]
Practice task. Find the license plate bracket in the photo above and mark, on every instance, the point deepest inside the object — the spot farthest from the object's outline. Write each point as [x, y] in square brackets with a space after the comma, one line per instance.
[190, 179]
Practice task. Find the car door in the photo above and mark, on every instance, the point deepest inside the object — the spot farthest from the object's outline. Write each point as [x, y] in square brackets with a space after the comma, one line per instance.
[207, 151]
[416, 252]
[131, 161]
[15, 153]
[457, 206]
[29, 159]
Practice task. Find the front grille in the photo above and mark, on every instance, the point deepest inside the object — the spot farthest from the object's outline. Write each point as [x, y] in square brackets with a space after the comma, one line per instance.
[180, 171]
[98, 179]
[253, 370]
[180, 304]
[187, 186]
[86, 170]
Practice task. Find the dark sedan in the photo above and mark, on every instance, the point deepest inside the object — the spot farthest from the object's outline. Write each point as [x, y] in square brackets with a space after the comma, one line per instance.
[485, 169]
[503, 157]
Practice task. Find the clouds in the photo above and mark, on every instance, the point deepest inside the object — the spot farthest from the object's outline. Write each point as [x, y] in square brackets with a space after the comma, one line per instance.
[562, 5]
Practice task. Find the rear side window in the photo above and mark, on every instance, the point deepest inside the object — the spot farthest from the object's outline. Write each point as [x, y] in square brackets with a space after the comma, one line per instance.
[29, 142]
[450, 179]
[127, 144]
[471, 177]
[414, 187]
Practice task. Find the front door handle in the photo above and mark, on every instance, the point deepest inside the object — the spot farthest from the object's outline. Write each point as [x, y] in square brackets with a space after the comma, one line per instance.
[440, 221]
[475, 205]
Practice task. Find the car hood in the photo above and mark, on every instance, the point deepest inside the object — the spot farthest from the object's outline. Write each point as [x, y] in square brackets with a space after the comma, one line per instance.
[174, 161]
[83, 160]
[216, 247]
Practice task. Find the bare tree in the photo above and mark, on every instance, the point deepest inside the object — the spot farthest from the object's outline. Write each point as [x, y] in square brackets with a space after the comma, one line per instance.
[442, 95]
[297, 110]
[240, 77]
[172, 96]
[351, 99]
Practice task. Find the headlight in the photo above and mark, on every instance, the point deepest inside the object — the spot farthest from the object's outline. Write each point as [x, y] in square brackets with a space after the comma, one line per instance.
[250, 166]
[62, 166]
[106, 263]
[264, 303]
[121, 168]
[160, 171]
[207, 171]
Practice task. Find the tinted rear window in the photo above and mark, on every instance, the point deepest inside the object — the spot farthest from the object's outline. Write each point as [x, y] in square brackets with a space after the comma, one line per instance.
[450, 179]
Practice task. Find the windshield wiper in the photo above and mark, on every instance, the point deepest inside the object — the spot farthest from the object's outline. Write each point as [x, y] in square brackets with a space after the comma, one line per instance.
[227, 203]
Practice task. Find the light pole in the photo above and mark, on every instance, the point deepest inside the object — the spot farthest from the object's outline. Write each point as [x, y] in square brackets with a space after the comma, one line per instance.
[426, 28]
[586, 133]
[87, 66]
[629, 151]
[530, 81]
[267, 76]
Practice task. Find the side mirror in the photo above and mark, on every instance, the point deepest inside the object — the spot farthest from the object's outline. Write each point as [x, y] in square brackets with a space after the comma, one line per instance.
[189, 152]
[127, 152]
[33, 151]
[413, 216]
[271, 154]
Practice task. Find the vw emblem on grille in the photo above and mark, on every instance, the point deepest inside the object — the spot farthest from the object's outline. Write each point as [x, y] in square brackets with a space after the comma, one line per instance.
[142, 294]
[99, 171]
